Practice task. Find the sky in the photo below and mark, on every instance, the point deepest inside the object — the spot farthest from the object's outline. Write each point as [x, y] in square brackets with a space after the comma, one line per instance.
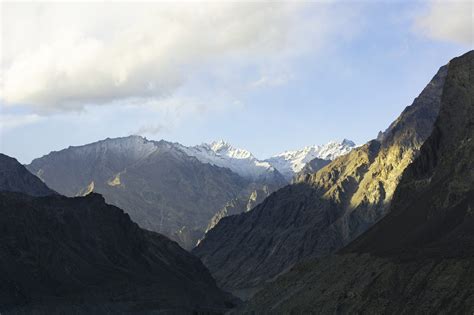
[267, 76]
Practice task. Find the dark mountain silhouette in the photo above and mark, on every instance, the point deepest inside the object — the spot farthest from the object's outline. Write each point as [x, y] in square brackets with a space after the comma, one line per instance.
[15, 177]
[81, 255]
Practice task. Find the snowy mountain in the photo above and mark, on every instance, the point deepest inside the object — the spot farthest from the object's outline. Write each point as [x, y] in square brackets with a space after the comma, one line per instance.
[289, 163]
[240, 161]
[164, 186]
[244, 163]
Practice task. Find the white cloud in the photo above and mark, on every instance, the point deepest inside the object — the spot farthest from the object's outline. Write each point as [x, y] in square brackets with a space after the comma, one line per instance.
[65, 56]
[448, 20]
[272, 80]
[11, 121]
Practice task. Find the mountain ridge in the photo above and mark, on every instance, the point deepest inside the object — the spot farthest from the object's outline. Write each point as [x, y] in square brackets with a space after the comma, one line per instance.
[15, 177]
[148, 179]
[292, 162]
[240, 161]
[320, 212]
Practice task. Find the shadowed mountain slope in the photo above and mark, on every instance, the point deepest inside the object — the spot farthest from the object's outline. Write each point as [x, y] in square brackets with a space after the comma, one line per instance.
[15, 177]
[323, 211]
[83, 255]
[419, 259]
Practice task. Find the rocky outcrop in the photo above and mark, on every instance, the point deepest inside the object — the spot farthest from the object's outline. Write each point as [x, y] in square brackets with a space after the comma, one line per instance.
[323, 211]
[82, 255]
[157, 183]
[419, 258]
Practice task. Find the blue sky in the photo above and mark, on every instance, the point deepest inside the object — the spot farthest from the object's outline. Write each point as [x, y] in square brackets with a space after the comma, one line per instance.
[264, 77]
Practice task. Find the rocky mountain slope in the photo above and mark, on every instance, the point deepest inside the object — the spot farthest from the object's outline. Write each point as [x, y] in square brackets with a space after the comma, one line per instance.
[323, 211]
[161, 186]
[239, 205]
[16, 178]
[290, 163]
[81, 255]
[419, 259]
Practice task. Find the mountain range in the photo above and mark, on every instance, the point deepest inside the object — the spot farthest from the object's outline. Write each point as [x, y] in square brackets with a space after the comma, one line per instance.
[169, 188]
[419, 258]
[131, 225]
[322, 211]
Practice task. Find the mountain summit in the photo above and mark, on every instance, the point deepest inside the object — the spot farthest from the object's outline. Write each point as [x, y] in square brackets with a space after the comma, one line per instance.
[290, 163]
[240, 161]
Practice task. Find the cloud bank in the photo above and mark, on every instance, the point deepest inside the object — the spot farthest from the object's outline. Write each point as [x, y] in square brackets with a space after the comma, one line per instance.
[65, 56]
[60, 57]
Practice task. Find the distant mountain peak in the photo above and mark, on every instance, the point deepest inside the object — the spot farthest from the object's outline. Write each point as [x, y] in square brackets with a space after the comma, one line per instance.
[291, 162]
[348, 142]
[220, 144]
[221, 153]
[225, 148]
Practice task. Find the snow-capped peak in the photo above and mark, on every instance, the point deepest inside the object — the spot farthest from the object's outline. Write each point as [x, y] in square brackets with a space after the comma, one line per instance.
[223, 154]
[222, 147]
[218, 145]
[291, 162]
[240, 161]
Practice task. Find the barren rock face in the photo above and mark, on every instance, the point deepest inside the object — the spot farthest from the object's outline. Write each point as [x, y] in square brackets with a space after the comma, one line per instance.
[323, 211]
